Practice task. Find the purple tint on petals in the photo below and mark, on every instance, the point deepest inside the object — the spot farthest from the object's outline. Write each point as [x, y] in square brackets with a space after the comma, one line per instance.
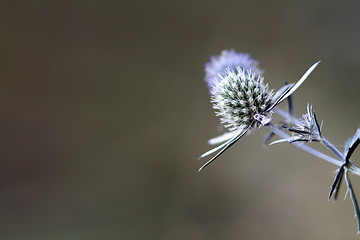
[228, 60]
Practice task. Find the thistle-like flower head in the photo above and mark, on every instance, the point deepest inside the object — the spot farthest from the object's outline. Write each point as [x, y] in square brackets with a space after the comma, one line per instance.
[228, 59]
[240, 98]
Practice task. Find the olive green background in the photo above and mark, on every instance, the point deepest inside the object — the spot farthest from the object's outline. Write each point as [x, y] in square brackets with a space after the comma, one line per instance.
[104, 112]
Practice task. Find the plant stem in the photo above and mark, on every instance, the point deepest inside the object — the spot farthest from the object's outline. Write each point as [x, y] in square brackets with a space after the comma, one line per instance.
[304, 147]
[350, 167]
[332, 148]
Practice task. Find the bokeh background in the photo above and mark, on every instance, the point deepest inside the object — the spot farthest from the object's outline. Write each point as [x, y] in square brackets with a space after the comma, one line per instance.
[104, 112]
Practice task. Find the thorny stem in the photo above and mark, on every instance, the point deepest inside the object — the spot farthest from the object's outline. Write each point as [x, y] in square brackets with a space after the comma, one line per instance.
[350, 167]
[332, 148]
[304, 147]
[343, 162]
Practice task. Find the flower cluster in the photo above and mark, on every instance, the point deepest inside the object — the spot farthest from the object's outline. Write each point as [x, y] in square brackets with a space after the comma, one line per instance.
[241, 99]
[243, 102]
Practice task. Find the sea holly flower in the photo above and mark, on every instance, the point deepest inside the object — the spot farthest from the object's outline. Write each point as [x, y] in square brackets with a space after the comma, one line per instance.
[240, 96]
[228, 59]
[243, 103]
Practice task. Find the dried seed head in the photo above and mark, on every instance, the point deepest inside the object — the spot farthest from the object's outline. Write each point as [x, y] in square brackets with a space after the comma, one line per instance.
[239, 98]
[228, 59]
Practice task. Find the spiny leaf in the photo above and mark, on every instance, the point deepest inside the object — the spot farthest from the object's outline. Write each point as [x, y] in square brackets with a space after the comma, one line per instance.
[336, 184]
[224, 147]
[281, 141]
[222, 138]
[352, 144]
[293, 87]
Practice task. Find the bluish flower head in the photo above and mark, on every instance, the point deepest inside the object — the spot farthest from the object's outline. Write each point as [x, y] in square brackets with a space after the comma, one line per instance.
[231, 60]
[244, 102]
[240, 97]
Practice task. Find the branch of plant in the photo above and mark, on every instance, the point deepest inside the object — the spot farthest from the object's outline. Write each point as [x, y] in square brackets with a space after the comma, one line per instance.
[324, 141]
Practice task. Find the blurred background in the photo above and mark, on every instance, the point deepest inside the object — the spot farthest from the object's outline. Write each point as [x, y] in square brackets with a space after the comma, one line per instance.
[104, 112]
